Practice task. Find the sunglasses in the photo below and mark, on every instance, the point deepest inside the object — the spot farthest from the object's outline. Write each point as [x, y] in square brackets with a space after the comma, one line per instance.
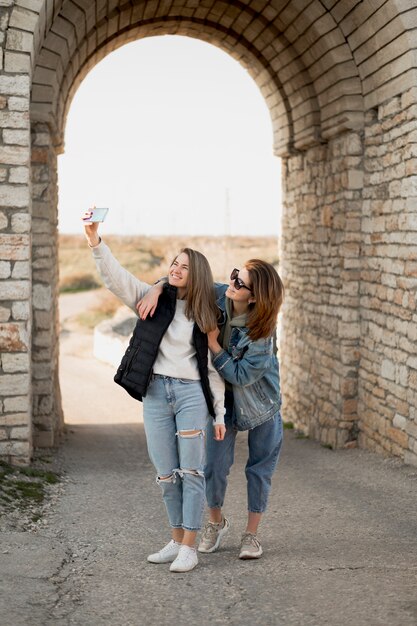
[238, 282]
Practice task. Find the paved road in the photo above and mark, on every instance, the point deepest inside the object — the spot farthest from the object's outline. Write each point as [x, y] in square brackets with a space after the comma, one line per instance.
[340, 538]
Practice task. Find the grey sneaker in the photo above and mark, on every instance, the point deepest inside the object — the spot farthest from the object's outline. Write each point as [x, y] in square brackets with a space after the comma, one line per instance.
[250, 547]
[212, 535]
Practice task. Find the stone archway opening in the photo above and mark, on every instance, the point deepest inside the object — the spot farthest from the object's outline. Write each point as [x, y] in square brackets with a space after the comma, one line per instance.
[168, 125]
[135, 157]
[49, 424]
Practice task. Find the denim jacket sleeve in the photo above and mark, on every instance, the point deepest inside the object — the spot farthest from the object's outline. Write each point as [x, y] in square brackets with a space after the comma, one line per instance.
[248, 367]
[219, 289]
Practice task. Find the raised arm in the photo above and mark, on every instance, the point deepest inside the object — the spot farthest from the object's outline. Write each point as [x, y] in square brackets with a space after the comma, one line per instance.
[147, 305]
[115, 277]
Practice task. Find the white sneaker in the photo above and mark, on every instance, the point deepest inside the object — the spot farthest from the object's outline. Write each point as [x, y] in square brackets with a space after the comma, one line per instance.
[212, 535]
[167, 554]
[185, 561]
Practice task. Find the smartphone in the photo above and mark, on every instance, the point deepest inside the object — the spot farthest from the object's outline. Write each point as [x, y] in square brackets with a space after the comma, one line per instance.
[98, 215]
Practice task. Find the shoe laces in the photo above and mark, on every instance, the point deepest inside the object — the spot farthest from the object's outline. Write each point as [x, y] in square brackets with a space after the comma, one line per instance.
[168, 547]
[248, 539]
[186, 553]
[211, 529]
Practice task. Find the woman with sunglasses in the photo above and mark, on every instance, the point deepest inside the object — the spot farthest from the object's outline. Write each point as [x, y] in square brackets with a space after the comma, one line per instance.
[167, 365]
[243, 349]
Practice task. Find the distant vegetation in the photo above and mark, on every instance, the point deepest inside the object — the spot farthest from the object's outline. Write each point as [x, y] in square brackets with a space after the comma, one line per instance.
[78, 282]
[148, 257]
[105, 306]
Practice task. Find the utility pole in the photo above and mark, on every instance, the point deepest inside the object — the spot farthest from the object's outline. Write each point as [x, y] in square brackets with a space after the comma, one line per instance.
[227, 228]
[227, 215]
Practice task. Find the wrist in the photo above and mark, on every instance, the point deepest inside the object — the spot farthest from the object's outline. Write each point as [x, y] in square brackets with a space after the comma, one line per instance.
[93, 242]
[215, 348]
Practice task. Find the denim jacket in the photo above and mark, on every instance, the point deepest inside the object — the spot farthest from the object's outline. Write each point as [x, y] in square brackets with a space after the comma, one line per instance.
[253, 371]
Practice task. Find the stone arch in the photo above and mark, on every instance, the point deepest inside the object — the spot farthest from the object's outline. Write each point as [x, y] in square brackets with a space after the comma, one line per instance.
[269, 49]
[257, 67]
[339, 80]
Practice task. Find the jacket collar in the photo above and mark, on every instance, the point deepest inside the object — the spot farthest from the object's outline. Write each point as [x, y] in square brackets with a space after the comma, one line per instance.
[221, 303]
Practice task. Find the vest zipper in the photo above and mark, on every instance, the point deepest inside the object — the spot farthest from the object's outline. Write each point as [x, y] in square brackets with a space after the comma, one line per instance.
[129, 365]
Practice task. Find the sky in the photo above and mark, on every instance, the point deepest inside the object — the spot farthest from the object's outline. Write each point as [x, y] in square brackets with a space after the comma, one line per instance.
[174, 137]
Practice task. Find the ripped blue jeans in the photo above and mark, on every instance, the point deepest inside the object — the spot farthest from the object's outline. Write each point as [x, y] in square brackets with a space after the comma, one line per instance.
[172, 409]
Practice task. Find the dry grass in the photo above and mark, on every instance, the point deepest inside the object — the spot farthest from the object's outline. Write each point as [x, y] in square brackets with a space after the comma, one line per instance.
[107, 305]
[78, 282]
[149, 257]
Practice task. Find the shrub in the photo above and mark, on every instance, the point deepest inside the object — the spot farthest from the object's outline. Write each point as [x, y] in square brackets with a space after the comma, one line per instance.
[78, 282]
[106, 307]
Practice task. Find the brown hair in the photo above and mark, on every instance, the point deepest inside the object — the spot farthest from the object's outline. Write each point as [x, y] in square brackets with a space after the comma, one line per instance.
[200, 295]
[268, 291]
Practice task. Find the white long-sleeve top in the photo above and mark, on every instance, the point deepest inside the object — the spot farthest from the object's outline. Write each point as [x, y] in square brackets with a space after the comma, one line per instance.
[176, 355]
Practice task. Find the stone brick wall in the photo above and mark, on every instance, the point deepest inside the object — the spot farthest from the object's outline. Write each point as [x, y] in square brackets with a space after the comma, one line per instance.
[349, 245]
[321, 254]
[388, 367]
[47, 411]
[15, 257]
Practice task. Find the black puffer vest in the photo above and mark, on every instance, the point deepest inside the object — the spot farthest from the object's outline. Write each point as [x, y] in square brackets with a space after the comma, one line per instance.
[135, 370]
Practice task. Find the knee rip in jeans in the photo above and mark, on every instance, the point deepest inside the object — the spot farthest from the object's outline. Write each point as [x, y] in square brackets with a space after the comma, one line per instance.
[166, 479]
[190, 434]
[181, 471]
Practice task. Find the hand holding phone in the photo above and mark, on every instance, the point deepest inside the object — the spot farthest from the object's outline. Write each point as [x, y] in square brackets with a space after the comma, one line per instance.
[91, 219]
[95, 214]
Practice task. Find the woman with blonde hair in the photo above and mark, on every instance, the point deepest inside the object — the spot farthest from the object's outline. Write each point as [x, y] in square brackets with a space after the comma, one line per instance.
[244, 353]
[167, 365]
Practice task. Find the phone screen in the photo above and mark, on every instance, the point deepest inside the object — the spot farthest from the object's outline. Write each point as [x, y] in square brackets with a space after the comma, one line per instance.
[98, 215]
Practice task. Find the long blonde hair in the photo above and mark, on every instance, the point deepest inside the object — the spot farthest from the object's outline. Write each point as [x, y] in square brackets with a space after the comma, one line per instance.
[200, 295]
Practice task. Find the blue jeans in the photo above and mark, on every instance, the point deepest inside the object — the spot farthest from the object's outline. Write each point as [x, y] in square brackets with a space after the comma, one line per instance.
[172, 407]
[264, 442]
